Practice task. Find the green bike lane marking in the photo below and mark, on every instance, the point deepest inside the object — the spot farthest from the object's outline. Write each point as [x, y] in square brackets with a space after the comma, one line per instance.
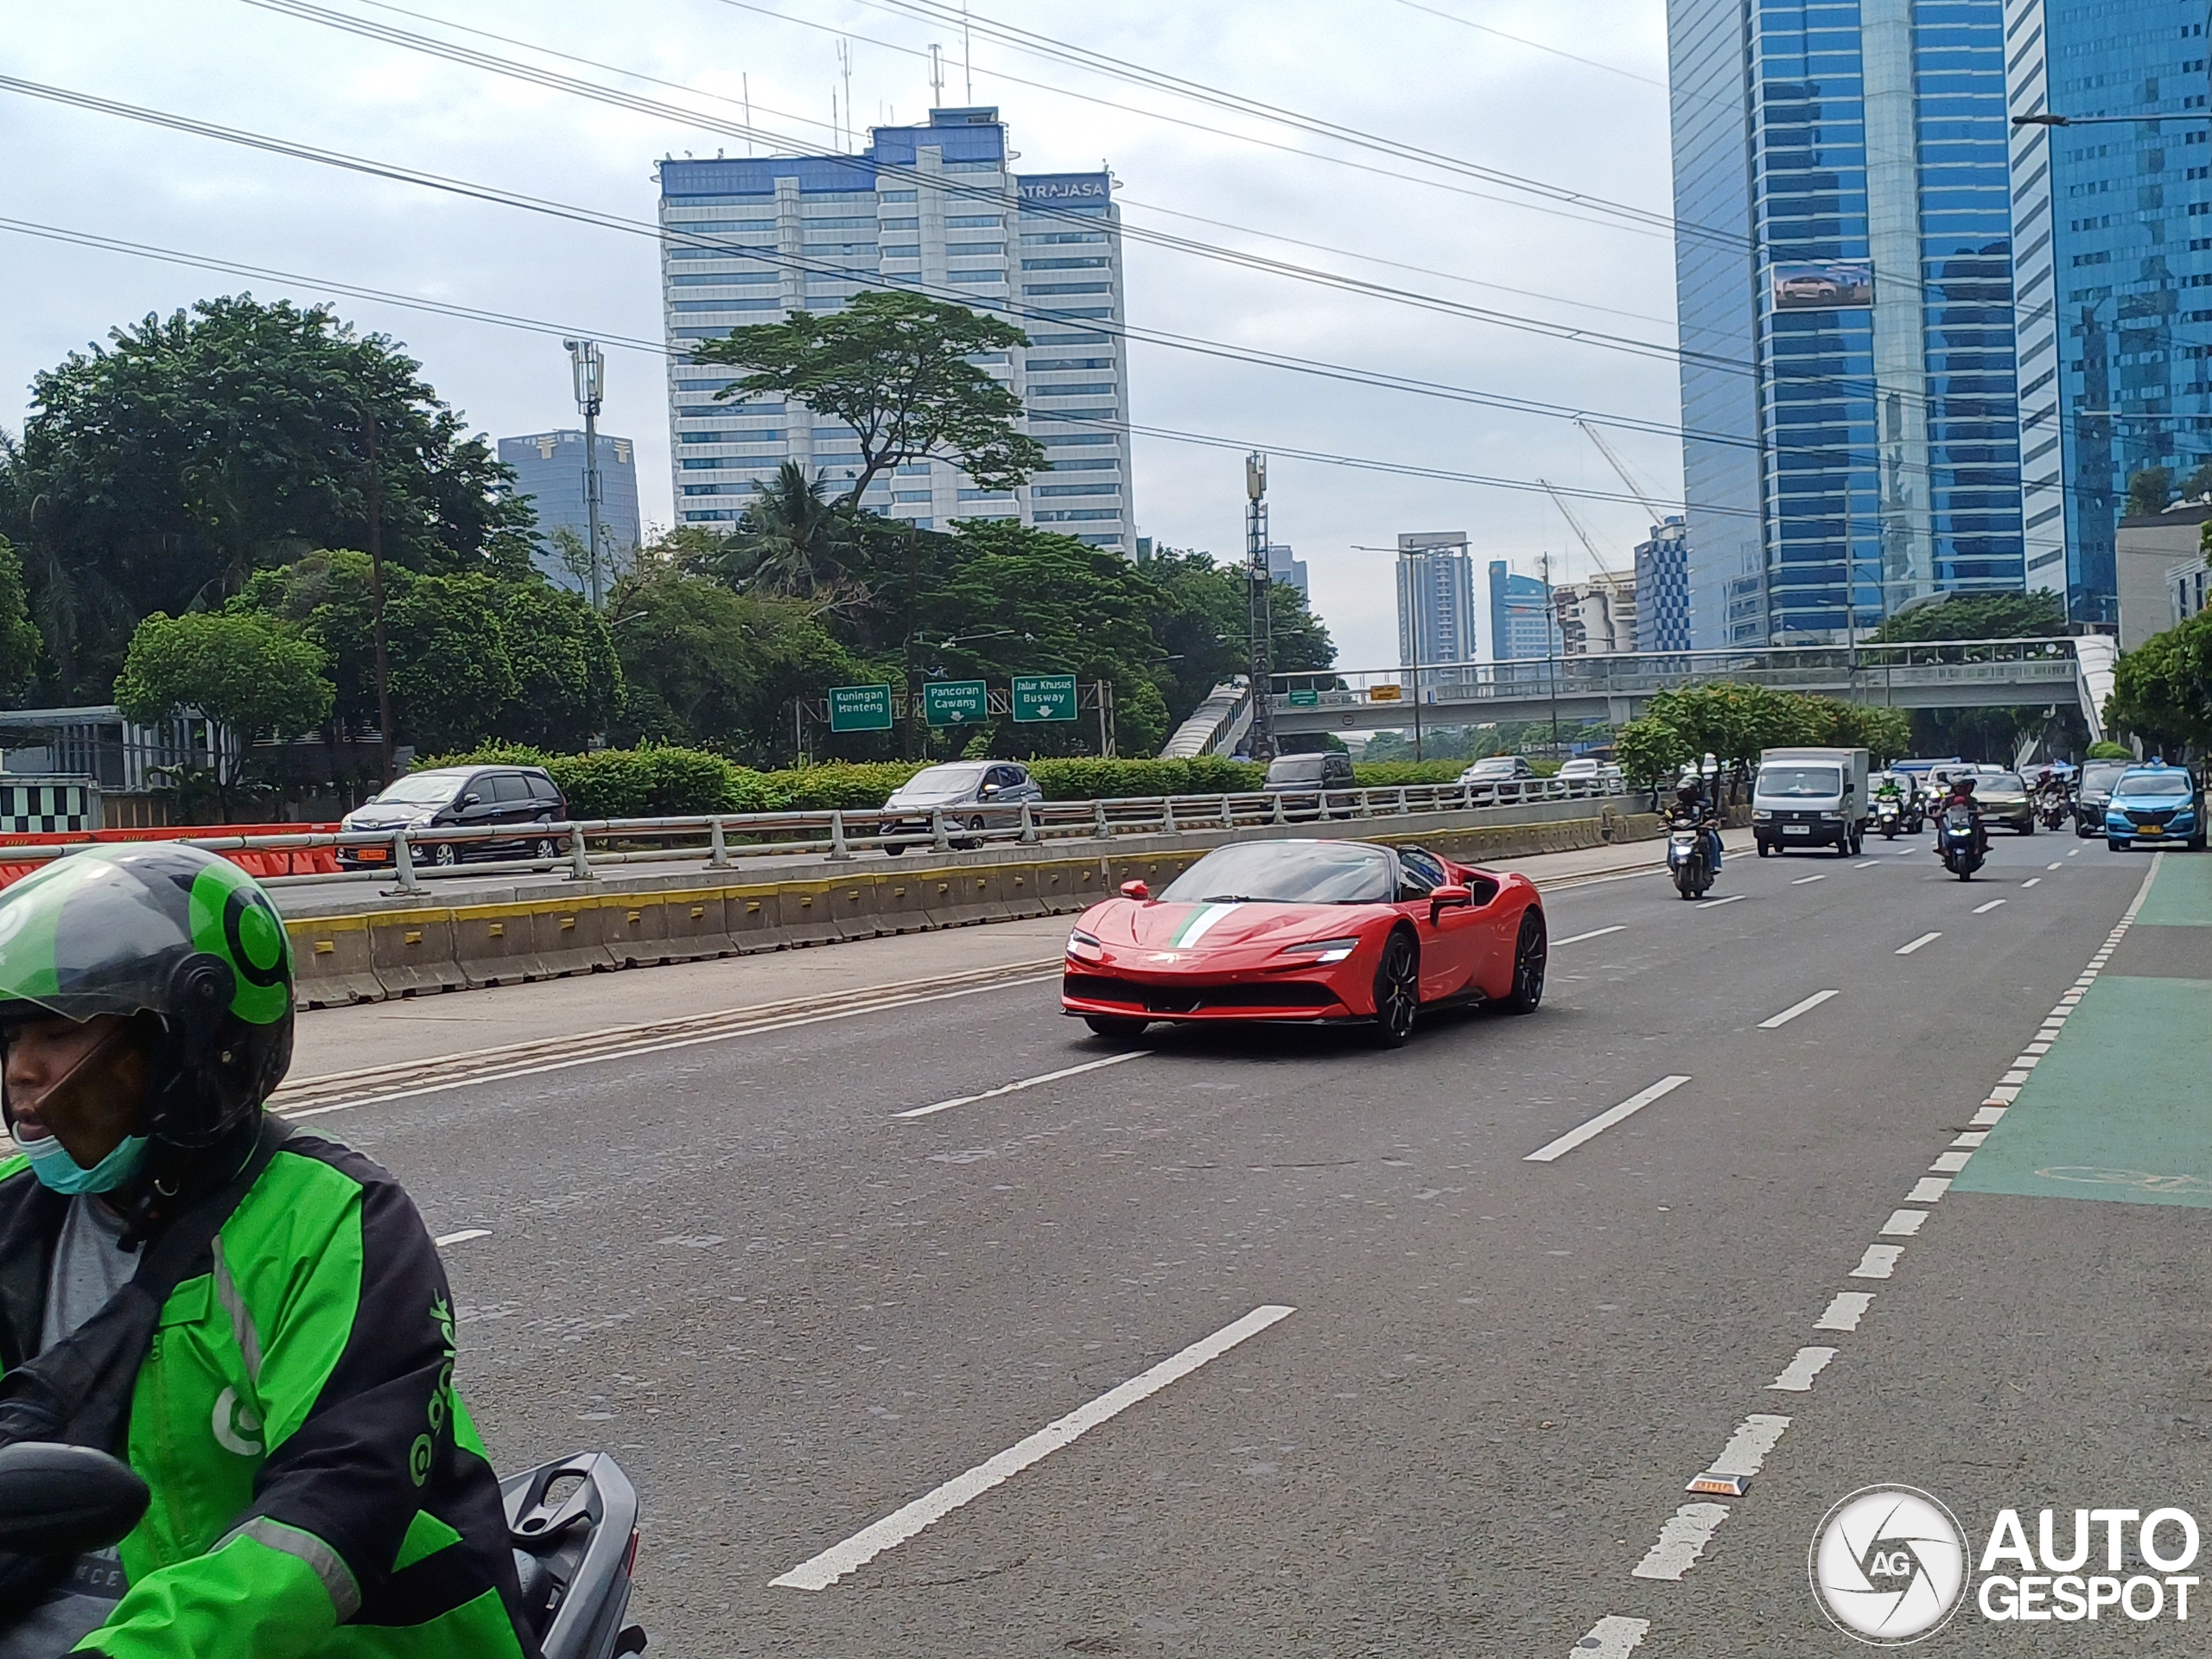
[2120, 1109]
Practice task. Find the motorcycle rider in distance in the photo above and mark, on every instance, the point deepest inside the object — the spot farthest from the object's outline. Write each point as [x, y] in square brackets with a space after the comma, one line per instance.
[1694, 811]
[1888, 790]
[1962, 794]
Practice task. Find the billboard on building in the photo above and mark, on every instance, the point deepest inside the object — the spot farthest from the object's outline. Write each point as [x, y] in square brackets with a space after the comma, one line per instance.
[1821, 284]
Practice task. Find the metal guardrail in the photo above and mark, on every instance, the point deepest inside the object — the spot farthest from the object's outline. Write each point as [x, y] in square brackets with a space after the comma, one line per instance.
[405, 856]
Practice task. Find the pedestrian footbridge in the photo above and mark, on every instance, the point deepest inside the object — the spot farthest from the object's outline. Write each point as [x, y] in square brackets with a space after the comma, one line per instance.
[1940, 674]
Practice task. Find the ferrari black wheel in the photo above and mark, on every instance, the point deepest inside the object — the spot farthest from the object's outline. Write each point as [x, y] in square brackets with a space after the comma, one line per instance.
[1397, 992]
[1530, 951]
[1116, 1028]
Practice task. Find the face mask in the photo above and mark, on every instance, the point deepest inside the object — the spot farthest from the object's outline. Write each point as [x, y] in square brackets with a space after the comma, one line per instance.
[60, 1173]
[50, 1160]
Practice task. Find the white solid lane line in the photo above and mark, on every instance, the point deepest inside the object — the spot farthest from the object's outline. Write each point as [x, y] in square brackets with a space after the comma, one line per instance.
[1983, 910]
[1682, 1540]
[1808, 1364]
[1802, 879]
[1604, 1121]
[1016, 1088]
[1594, 934]
[1710, 904]
[895, 1529]
[1925, 939]
[1928, 1189]
[1612, 1638]
[1845, 1311]
[1795, 1009]
[462, 1236]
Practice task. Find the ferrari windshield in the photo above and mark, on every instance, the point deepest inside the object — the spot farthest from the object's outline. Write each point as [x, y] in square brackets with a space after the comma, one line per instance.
[1287, 873]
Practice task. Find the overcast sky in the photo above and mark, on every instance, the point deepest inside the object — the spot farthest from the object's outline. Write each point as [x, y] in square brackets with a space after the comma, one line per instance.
[1383, 67]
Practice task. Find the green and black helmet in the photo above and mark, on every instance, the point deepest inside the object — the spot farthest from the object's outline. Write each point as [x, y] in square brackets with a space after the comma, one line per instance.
[158, 929]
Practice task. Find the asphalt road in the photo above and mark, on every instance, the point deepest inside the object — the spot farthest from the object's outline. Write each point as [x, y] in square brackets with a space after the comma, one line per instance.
[791, 1311]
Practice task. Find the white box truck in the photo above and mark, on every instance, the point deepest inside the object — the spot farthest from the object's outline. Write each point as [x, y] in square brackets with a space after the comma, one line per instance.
[1810, 798]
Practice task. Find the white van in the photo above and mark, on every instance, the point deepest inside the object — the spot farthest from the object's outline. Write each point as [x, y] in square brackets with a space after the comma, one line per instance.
[1810, 798]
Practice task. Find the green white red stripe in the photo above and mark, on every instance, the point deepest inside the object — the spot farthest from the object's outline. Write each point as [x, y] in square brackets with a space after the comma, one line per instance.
[1199, 923]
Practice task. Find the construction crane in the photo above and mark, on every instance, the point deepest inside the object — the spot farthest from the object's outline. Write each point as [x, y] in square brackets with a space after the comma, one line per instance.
[1620, 467]
[1597, 559]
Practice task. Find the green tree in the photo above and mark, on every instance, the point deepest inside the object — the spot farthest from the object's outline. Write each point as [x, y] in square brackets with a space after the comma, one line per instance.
[792, 543]
[451, 674]
[2038, 615]
[159, 471]
[896, 368]
[20, 647]
[2150, 491]
[568, 679]
[1650, 753]
[2162, 690]
[251, 675]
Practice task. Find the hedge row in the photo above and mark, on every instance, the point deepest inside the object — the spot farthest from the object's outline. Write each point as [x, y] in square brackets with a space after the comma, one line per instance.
[667, 782]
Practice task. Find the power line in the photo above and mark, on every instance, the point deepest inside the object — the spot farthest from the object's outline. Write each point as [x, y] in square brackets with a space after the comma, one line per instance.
[1347, 373]
[1534, 45]
[305, 11]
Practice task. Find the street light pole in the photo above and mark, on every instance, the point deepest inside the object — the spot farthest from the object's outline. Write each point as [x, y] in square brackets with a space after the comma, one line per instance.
[1259, 618]
[588, 367]
[1551, 644]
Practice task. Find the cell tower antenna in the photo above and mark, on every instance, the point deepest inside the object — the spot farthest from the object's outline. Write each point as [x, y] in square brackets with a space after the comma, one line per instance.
[937, 75]
[845, 65]
[967, 55]
[746, 81]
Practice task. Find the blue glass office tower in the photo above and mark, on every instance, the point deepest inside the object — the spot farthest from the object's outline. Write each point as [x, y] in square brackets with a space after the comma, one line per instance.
[1521, 625]
[1843, 277]
[2115, 225]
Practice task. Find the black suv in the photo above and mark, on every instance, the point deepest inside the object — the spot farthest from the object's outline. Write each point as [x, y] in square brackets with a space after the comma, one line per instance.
[2092, 793]
[463, 798]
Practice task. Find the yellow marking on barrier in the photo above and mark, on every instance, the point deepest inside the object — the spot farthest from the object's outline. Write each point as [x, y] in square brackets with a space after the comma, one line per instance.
[568, 922]
[325, 947]
[415, 936]
[805, 899]
[634, 915]
[752, 907]
[697, 910]
[497, 930]
[898, 892]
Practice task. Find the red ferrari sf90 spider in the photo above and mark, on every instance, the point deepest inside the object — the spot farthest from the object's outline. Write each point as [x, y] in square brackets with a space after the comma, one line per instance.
[1315, 931]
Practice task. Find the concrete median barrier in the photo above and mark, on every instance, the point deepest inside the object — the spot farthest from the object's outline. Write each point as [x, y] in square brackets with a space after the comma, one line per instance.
[571, 937]
[332, 964]
[496, 944]
[413, 951]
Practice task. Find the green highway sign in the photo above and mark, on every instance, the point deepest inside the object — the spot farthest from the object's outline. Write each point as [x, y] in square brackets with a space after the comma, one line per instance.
[860, 708]
[1044, 696]
[1306, 699]
[955, 703]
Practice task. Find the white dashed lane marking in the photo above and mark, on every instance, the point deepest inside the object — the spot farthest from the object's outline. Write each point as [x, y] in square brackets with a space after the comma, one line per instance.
[1845, 1311]
[1903, 1224]
[1612, 1638]
[1016, 1088]
[1594, 934]
[462, 1236]
[1712, 904]
[1682, 1540]
[1925, 939]
[1983, 910]
[1802, 879]
[1797, 1378]
[832, 1564]
[2031, 881]
[1880, 1261]
[1797, 1008]
[1605, 1120]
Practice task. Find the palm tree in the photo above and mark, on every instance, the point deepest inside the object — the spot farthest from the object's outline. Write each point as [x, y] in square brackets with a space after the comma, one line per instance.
[791, 543]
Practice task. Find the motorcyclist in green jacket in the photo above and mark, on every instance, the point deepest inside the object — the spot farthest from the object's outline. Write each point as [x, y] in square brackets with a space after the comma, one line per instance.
[317, 1488]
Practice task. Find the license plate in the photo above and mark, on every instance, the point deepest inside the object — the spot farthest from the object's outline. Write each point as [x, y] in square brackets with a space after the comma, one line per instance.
[2150, 828]
[1796, 828]
[369, 854]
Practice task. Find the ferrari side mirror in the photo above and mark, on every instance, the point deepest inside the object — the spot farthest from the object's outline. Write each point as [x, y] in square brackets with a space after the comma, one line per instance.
[1443, 899]
[1135, 890]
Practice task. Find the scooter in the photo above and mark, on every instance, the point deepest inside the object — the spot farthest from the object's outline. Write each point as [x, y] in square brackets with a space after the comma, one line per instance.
[2054, 810]
[1889, 816]
[1687, 859]
[572, 1525]
[1959, 843]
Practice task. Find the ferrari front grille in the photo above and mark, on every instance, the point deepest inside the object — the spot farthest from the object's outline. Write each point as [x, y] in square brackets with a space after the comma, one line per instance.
[1193, 999]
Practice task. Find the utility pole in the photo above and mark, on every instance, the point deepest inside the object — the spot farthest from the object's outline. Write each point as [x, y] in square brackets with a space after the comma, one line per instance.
[588, 366]
[1551, 644]
[1260, 616]
[376, 595]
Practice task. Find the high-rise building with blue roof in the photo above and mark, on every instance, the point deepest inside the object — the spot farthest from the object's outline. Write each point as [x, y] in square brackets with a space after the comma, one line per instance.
[2114, 228]
[933, 208]
[1843, 272]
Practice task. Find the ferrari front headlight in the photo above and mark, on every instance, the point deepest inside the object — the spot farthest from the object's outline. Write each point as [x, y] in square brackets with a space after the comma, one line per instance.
[1322, 949]
[1081, 943]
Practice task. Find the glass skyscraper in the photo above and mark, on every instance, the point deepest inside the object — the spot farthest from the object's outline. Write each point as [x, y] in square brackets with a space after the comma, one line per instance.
[550, 469]
[1843, 262]
[2114, 224]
